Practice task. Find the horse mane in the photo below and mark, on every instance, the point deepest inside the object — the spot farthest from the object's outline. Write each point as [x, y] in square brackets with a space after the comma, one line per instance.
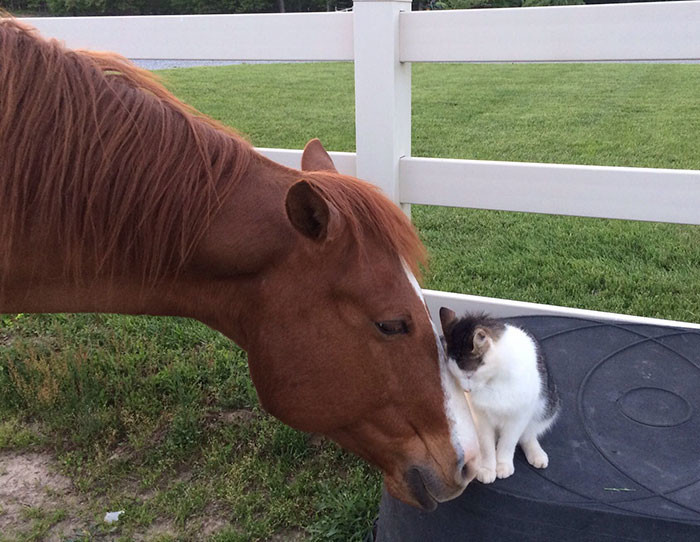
[123, 175]
[367, 211]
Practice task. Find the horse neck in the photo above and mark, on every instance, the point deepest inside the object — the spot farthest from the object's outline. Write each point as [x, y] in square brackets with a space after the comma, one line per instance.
[251, 217]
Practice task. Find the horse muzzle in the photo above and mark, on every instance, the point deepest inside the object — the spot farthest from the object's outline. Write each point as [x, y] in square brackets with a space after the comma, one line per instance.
[426, 489]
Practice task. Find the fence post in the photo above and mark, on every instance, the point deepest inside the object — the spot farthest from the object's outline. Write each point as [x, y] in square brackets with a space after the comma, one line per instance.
[382, 94]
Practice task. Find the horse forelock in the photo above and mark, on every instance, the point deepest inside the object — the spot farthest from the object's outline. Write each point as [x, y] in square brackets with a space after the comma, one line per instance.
[368, 212]
[105, 161]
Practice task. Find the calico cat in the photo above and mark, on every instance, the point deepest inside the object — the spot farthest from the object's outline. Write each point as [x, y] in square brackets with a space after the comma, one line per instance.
[512, 394]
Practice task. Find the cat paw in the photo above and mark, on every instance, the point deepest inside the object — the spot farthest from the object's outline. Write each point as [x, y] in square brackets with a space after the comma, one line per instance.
[504, 470]
[486, 475]
[539, 461]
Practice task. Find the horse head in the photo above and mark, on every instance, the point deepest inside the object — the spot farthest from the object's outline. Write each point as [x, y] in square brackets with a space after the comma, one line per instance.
[341, 342]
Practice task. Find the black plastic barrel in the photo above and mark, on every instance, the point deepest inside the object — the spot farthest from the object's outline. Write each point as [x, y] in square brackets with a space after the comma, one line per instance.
[624, 454]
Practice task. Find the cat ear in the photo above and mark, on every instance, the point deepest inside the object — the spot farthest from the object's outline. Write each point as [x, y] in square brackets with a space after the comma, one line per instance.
[447, 318]
[482, 340]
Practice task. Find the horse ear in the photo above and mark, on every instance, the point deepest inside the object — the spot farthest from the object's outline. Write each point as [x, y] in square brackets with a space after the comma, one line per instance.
[315, 158]
[309, 212]
[447, 318]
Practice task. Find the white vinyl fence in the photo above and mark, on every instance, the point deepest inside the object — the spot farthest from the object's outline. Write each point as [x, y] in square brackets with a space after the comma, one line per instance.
[383, 38]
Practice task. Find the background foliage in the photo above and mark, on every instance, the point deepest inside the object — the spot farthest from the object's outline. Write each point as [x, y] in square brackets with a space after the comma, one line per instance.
[165, 7]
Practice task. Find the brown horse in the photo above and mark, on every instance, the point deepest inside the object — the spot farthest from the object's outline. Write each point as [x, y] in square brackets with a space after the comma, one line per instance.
[116, 197]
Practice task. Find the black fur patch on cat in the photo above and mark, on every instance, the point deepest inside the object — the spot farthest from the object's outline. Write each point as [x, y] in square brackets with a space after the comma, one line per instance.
[459, 338]
[549, 389]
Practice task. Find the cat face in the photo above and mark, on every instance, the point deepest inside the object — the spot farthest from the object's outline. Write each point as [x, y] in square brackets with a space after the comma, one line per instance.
[467, 342]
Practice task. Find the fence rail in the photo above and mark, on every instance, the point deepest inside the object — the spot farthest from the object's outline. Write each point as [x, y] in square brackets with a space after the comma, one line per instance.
[620, 32]
[384, 37]
[287, 37]
[658, 195]
[647, 194]
[649, 31]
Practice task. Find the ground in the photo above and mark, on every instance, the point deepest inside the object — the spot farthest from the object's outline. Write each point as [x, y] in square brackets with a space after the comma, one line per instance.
[36, 501]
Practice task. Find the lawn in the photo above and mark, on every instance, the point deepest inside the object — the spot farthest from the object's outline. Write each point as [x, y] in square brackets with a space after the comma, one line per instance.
[158, 417]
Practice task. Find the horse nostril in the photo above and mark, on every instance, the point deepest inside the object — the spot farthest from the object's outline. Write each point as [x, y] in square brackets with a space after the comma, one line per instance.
[466, 470]
[465, 473]
[462, 472]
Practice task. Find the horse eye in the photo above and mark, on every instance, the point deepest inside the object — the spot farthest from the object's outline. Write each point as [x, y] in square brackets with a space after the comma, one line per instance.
[392, 327]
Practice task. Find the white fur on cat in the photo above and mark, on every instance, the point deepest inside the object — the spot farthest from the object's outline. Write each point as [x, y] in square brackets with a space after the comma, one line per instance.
[504, 393]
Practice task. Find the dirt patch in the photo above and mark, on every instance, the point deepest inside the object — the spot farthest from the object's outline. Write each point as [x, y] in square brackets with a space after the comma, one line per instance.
[5, 339]
[29, 482]
[32, 492]
[157, 530]
[289, 535]
[213, 520]
[211, 526]
[317, 440]
[238, 417]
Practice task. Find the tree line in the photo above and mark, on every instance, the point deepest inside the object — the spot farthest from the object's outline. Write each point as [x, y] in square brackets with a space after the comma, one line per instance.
[168, 7]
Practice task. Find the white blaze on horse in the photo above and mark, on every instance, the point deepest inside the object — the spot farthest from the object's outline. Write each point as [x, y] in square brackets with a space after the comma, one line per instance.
[116, 197]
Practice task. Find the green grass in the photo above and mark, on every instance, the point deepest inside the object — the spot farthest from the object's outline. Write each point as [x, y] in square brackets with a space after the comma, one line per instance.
[643, 115]
[158, 416]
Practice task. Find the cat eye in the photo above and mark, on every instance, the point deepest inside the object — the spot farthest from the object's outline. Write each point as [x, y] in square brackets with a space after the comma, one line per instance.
[392, 327]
